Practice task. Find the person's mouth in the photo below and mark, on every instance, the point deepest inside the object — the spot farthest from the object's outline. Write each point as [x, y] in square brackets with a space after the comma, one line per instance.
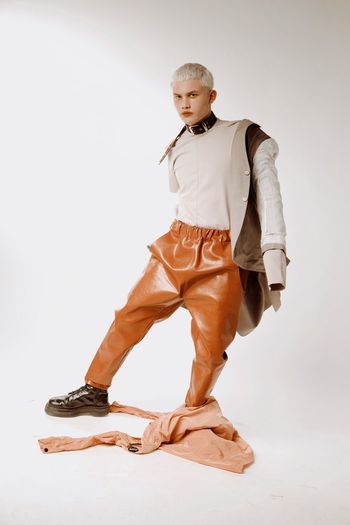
[186, 113]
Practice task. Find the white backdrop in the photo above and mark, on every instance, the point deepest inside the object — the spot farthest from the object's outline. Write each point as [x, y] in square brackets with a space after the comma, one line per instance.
[85, 114]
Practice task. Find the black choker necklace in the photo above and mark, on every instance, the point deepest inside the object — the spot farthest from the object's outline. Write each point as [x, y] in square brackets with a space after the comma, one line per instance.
[201, 127]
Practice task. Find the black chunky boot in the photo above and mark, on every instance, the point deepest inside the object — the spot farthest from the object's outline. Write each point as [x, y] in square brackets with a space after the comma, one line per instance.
[86, 400]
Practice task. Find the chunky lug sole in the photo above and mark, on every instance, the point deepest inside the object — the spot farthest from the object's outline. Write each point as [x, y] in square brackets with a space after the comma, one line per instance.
[76, 411]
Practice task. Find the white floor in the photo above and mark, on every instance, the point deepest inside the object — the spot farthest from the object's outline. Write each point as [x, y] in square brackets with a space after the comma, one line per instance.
[299, 476]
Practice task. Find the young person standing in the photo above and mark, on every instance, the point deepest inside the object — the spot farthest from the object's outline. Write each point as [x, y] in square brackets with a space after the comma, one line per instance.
[223, 257]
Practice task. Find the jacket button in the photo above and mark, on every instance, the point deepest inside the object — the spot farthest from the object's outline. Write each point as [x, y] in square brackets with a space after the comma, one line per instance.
[246, 172]
[245, 199]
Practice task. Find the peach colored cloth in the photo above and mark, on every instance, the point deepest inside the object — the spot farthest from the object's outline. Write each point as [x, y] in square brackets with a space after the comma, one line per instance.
[200, 434]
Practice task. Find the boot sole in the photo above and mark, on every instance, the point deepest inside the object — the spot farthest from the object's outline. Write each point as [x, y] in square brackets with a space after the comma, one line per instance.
[77, 411]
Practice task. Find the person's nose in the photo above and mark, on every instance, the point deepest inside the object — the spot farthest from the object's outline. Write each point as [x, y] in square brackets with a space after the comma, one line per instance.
[185, 103]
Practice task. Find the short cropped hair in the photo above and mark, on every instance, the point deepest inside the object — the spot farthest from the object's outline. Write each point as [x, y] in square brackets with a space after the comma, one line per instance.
[192, 70]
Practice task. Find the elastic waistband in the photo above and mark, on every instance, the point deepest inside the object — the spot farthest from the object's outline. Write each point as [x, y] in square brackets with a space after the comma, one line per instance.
[198, 231]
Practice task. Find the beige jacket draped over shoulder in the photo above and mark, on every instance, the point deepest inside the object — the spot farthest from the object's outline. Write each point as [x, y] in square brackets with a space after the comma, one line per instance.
[257, 228]
[253, 232]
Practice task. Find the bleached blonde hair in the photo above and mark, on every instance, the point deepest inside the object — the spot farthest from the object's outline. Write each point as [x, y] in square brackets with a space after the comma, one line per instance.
[192, 70]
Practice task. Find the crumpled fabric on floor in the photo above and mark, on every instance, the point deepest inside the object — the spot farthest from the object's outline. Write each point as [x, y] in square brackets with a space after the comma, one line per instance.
[201, 434]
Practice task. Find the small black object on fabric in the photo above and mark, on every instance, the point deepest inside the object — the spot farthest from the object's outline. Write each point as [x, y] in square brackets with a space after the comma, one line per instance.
[132, 448]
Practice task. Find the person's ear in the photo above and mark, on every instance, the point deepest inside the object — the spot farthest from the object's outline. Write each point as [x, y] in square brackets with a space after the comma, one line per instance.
[212, 95]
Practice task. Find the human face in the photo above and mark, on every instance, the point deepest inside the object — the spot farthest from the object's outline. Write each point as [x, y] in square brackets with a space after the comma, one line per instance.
[192, 97]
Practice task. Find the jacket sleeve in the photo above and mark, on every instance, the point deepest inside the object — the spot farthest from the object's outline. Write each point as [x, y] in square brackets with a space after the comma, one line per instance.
[270, 210]
[275, 265]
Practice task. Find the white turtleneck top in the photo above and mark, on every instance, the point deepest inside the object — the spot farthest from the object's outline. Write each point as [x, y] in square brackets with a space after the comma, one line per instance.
[199, 168]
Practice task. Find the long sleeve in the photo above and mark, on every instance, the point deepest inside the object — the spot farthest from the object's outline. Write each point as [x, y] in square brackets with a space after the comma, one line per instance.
[270, 210]
[275, 265]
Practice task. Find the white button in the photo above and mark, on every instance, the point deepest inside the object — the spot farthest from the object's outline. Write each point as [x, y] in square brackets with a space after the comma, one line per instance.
[246, 172]
[245, 198]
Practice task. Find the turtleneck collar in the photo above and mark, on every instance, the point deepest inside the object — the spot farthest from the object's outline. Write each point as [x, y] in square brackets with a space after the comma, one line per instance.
[200, 127]
[203, 125]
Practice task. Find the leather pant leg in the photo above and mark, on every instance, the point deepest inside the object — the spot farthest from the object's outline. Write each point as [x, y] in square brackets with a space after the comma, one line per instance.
[192, 267]
[152, 299]
[213, 302]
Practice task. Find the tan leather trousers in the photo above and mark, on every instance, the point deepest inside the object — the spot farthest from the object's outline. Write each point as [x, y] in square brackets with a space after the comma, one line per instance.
[190, 266]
